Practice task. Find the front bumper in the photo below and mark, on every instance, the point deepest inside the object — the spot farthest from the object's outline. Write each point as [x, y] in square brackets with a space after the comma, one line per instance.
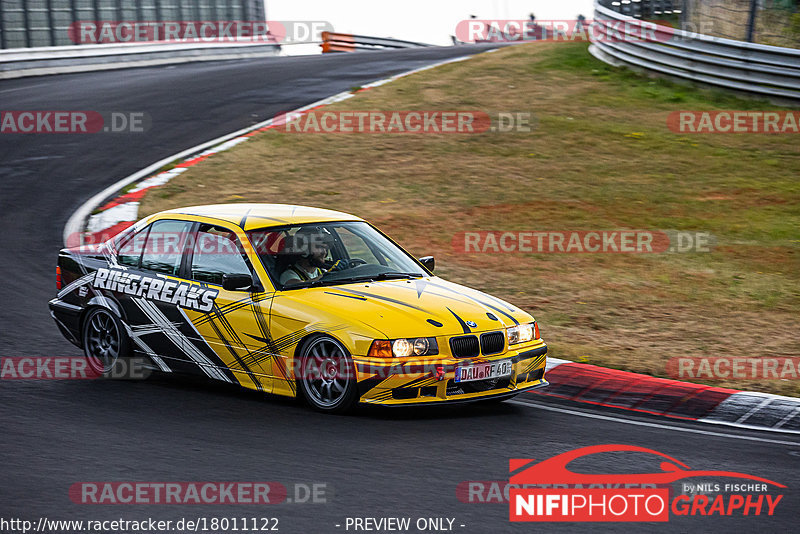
[417, 384]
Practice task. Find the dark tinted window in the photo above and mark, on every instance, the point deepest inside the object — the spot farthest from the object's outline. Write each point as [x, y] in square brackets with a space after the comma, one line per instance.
[131, 250]
[164, 249]
[217, 252]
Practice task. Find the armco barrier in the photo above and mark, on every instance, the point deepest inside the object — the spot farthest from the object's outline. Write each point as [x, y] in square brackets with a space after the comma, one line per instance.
[20, 62]
[345, 42]
[772, 71]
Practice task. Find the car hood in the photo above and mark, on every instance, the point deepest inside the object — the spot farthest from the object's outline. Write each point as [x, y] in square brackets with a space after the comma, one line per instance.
[414, 308]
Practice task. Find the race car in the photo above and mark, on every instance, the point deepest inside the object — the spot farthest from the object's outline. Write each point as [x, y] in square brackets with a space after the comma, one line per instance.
[292, 301]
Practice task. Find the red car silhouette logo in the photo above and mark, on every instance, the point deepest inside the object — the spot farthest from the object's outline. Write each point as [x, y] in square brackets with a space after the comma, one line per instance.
[555, 471]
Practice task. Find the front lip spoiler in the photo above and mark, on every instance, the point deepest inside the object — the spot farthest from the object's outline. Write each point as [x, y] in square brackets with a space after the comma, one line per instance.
[497, 396]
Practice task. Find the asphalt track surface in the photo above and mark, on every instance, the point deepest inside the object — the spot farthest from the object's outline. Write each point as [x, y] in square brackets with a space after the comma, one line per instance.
[376, 463]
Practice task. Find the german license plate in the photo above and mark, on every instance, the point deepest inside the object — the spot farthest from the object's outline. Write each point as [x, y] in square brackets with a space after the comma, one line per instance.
[483, 371]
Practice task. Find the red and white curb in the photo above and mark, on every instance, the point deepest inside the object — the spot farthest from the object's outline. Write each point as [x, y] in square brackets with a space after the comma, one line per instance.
[110, 211]
[670, 398]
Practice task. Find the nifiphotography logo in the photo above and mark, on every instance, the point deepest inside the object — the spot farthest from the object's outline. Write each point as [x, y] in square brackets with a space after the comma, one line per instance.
[549, 491]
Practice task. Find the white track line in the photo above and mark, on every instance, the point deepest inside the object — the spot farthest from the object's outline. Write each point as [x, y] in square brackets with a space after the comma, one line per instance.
[652, 425]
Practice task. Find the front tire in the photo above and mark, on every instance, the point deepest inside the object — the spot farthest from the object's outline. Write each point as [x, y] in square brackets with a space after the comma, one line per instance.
[105, 342]
[328, 375]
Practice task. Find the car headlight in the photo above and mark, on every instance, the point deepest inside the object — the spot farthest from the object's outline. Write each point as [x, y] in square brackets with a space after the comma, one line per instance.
[522, 333]
[403, 347]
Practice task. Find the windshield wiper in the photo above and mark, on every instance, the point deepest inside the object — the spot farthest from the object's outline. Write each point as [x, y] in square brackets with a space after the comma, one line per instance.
[331, 282]
[379, 277]
[313, 283]
[365, 278]
[395, 276]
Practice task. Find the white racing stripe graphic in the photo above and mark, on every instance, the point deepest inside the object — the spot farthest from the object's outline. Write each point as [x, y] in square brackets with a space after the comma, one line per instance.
[103, 301]
[179, 340]
[75, 284]
[143, 330]
[135, 337]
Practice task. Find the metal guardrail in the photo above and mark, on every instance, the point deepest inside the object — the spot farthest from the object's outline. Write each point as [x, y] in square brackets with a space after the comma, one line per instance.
[33, 24]
[767, 70]
[345, 42]
[22, 62]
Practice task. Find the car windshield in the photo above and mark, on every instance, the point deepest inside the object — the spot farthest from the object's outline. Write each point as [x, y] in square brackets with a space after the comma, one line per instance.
[320, 254]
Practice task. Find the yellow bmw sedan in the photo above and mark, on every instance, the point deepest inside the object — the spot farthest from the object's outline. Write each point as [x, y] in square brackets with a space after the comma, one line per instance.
[292, 301]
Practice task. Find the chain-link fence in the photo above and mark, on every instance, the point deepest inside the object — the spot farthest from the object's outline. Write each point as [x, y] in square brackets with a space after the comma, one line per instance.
[645, 9]
[32, 23]
[772, 22]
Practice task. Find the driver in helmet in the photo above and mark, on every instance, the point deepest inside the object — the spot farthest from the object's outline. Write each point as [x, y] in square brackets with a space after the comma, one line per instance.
[311, 244]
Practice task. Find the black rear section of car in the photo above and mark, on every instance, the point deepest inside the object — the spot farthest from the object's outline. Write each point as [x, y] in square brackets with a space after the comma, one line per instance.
[68, 308]
[153, 324]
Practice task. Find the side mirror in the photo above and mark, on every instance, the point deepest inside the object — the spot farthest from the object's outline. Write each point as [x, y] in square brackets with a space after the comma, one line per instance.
[428, 262]
[237, 282]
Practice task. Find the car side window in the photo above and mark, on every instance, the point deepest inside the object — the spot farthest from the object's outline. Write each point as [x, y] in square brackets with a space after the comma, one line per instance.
[130, 251]
[217, 252]
[163, 250]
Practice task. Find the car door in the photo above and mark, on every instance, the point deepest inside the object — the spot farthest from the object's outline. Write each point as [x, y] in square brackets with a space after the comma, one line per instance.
[147, 283]
[237, 324]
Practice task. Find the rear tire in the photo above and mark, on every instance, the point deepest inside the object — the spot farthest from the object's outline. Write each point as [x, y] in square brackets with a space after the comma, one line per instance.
[327, 375]
[106, 345]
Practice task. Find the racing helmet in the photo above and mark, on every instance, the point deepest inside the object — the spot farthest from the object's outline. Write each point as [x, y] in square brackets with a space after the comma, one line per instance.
[308, 237]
